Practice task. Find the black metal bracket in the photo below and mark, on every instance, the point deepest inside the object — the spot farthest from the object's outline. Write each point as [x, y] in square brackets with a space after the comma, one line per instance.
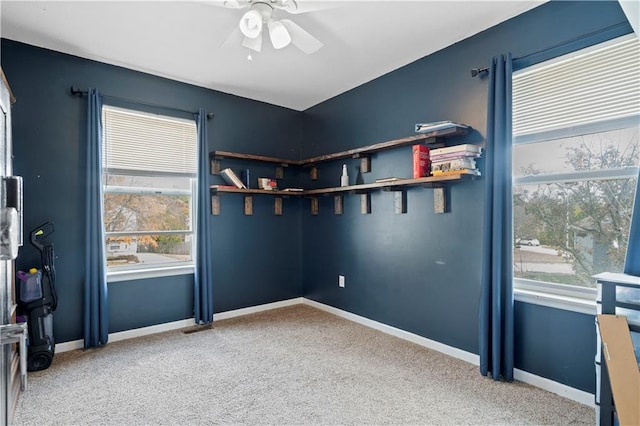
[77, 92]
[481, 72]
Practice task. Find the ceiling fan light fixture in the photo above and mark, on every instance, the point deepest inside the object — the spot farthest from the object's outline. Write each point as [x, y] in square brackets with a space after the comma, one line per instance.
[279, 35]
[254, 44]
[251, 24]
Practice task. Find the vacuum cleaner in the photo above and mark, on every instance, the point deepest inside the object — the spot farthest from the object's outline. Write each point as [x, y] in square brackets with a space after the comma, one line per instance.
[37, 300]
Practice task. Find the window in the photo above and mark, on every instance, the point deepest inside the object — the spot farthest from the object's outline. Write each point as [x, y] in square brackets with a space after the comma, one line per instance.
[149, 169]
[576, 123]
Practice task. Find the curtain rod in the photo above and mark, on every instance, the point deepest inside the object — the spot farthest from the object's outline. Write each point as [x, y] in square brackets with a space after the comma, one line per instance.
[597, 36]
[80, 93]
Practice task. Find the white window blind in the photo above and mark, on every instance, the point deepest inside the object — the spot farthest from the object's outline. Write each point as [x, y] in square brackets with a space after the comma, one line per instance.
[137, 141]
[591, 86]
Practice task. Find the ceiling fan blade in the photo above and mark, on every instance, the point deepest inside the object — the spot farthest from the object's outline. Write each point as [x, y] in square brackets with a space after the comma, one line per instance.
[229, 4]
[253, 43]
[305, 6]
[233, 38]
[301, 38]
[232, 4]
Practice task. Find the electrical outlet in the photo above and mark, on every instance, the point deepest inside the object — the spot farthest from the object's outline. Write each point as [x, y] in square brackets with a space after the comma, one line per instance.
[340, 280]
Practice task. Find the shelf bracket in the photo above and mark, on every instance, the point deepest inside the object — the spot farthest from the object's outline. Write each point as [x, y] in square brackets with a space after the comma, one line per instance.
[365, 203]
[277, 206]
[215, 166]
[215, 205]
[313, 173]
[440, 200]
[400, 201]
[365, 164]
[337, 204]
[314, 206]
[248, 205]
[280, 172]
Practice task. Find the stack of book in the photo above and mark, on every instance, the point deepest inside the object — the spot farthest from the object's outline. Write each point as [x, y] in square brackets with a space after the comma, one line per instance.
[458, 159]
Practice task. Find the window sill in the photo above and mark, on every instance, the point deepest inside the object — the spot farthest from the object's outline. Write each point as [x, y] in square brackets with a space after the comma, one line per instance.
[141, 274]
[568, 303]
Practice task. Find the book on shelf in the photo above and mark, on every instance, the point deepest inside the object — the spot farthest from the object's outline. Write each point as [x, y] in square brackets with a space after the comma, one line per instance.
[453, 155]
[293, 189]
[421, 165]
[231, 178]
[246, 178]
[387, 179]
[464, 148]
[437, 125]
[453, 164]
[473, 172]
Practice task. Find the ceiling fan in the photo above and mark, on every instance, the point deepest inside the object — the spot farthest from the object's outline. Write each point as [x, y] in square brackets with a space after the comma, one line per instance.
[282, 32]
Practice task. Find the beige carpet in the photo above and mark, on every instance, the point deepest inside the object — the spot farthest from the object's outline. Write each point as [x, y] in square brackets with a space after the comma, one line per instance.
[295, 365]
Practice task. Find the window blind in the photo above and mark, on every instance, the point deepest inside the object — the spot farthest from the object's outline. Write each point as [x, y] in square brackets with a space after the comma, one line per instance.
[138, 141]
[597, 85]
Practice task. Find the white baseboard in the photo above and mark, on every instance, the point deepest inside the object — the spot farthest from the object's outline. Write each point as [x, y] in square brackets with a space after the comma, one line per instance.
[568, 392]
[152, 329]
[69, 346]
[258, 308]
[422, 341]
[574, 394]
[129, 334]
[176, 325]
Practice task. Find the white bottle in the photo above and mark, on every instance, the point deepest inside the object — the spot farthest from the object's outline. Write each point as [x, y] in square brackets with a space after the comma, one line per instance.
[344, 179]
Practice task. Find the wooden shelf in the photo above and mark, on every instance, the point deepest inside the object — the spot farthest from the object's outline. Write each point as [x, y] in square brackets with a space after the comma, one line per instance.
[281, 163]
[236, 155]
[439, 183]
[248, 198]
[425, 181]
[249, 191]
[397, 186]
[455, 130]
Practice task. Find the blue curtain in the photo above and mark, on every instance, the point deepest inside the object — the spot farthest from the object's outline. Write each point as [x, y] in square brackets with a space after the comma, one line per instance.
[496, 294]
[96, 315]
[203, 277]
[632, 260]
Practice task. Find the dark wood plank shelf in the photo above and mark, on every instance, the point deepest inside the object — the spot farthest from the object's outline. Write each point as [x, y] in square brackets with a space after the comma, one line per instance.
[424, 181]
[399, 186]
[249, 191]
[454, 130]
[281, 163]
[237, 155]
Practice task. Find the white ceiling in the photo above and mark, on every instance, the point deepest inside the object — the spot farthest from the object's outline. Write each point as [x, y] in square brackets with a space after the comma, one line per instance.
[189, 40]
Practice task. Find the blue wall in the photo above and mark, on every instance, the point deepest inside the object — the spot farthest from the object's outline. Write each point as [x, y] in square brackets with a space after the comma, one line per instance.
[421, 271]
[257, 257]
[418, 271]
